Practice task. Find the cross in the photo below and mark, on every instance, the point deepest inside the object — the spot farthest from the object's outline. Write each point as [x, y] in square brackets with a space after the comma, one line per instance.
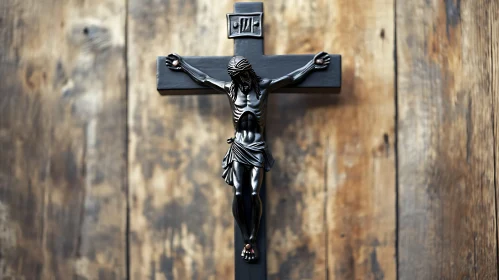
[245, 26]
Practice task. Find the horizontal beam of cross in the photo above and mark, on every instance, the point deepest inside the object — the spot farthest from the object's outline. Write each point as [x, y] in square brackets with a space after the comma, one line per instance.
[271, 66]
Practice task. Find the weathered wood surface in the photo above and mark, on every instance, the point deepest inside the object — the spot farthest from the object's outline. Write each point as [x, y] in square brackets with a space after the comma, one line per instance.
[331, 195]
[181, 226]
[62, 140]
[331, 210]
[447, 104]
[332, 192]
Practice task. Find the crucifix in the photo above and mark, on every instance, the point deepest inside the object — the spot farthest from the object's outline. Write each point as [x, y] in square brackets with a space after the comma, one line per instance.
[247, 78]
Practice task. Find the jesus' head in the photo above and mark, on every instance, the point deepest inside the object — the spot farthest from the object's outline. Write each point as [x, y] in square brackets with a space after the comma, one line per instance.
[242, 74]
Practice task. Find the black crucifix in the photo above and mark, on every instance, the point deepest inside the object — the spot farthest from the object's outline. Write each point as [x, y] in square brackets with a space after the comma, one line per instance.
[247, 78]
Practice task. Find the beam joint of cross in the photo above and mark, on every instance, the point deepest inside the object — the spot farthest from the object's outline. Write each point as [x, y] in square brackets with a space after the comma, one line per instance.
[252, 47]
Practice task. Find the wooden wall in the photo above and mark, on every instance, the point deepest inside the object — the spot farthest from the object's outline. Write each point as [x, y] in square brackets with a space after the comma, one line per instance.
[101, 178]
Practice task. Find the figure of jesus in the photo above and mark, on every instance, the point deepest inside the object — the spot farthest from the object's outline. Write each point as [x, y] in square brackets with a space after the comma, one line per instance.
[248, 156]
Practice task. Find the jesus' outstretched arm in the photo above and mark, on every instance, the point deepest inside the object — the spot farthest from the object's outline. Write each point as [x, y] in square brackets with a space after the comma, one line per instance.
[176, 63]
[319, 62]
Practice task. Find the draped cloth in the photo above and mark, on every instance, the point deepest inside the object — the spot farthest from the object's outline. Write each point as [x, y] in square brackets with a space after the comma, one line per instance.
[246, 154]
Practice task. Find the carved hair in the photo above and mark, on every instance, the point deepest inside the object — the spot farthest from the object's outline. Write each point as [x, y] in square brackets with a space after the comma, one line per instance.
[237, 65]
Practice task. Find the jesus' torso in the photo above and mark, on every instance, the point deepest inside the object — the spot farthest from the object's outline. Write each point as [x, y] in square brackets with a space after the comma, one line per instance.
[249, 115]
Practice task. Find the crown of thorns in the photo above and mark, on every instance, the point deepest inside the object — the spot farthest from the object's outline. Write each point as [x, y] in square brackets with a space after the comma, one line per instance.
[238, 64]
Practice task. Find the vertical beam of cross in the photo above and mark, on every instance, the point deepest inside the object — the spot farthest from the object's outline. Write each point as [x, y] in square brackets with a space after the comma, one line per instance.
[252, 49]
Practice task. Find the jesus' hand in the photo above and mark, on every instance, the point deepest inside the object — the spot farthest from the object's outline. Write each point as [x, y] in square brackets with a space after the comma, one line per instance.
[321, 60]
[174, 62]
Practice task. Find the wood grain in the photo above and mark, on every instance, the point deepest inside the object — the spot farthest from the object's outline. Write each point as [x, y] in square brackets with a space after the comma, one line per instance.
[447, 98]
[62, 140]
[331, 195]
[181, 224]
[332, 191]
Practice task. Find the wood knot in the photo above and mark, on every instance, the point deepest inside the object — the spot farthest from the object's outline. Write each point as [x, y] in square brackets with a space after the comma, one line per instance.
[382, 33]
[93, 37]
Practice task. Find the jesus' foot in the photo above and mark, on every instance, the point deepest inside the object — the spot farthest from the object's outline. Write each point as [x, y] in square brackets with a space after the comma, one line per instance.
[249, 253]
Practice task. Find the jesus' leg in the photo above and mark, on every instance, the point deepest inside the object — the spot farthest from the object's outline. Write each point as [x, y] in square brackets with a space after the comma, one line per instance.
[256, 208]
[238, 204]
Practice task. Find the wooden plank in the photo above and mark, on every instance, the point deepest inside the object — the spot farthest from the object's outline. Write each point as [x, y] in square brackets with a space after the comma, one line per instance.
[181, 224]
[447, 97]
[332, 191]
[62, 140]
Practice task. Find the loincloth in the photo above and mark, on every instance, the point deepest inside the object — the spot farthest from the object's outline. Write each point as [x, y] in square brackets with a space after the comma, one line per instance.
[246, 154]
